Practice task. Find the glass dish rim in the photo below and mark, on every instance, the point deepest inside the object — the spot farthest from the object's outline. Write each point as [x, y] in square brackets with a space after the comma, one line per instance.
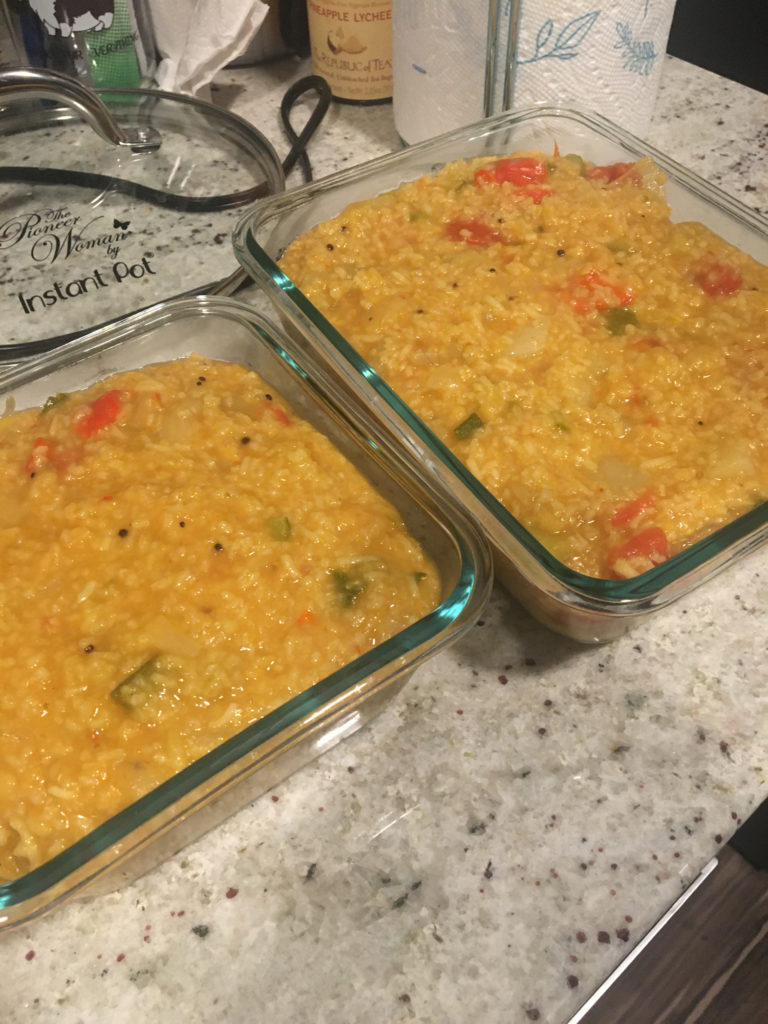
[403, 652]
[657, 586]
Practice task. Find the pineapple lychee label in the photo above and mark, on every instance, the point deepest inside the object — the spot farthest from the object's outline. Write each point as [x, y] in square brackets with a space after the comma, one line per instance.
[352, 47]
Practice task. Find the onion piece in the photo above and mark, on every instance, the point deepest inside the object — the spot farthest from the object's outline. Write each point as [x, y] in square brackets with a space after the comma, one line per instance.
[526, 341]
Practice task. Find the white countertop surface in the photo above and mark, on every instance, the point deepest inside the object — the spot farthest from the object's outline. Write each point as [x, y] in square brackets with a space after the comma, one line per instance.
[502, 835]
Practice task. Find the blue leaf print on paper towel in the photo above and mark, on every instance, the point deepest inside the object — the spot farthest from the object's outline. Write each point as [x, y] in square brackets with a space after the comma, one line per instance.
[638, 55]
[566, 43]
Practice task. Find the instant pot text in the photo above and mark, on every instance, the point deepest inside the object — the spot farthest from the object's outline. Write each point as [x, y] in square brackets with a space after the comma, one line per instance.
[54, 235]
[62, 290]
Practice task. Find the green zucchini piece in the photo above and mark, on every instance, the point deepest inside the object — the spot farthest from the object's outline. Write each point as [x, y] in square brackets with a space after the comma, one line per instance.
[468, 427]
[619, 318]
[280, 527]
[578, 160]
[619, 245]
[53, 400]
[350, 582]
[138, 688]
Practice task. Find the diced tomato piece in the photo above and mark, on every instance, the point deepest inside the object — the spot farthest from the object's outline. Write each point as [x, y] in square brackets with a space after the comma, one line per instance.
[628, 513]
[520, 170]
[281, 415]
[643, 344]
[535, 193]
[47, 452]
[718, 279]
[592, 291]
[98, 414]
[608, 172]
[485, 176]
[473, 232]
[646, 549]
[40, 454]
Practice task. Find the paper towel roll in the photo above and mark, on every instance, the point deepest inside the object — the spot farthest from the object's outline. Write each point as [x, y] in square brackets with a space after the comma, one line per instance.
[438, 65]
[603, 58]
[606, 58]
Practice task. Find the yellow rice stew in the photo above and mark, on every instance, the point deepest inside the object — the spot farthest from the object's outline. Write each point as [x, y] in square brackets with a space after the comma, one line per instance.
[181, 554]
[599, 368]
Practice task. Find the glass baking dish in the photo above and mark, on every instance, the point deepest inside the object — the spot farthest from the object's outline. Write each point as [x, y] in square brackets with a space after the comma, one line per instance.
[256, 758]
[582, 607]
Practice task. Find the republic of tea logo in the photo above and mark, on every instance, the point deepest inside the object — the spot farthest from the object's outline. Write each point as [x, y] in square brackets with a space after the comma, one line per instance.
[54, 236]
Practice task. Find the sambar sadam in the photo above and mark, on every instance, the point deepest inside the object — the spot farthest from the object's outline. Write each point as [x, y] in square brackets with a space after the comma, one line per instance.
[181, 554]
[599, 368]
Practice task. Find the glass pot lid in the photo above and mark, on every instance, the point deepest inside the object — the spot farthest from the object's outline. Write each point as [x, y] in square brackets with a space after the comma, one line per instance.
[113, 200]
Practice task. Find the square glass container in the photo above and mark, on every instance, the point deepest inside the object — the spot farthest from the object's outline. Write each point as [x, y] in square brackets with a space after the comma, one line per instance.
[259, 756]
[582, 607]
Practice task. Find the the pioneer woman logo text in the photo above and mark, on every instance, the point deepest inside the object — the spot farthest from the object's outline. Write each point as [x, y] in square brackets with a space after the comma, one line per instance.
[58, 234]
[54, 236]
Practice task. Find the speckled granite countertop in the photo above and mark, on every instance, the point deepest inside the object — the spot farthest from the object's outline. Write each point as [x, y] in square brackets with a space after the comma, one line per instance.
[507, 830]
